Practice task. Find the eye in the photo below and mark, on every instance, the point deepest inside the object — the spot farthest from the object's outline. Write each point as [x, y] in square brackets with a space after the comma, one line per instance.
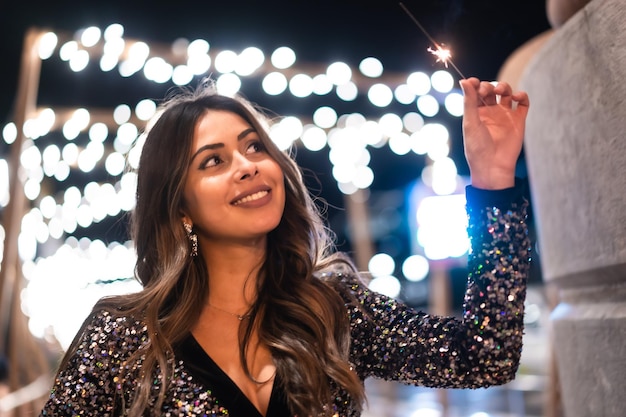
[255, 147]
[211, 161]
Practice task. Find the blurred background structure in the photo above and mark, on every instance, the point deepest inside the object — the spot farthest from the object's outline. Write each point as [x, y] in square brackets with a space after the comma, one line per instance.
[374, 121]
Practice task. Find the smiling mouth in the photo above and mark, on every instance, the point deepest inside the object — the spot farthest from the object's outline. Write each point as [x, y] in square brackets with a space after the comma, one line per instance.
[251, 197]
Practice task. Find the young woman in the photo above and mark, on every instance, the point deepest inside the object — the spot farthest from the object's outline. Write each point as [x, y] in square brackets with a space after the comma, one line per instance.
[245, 309]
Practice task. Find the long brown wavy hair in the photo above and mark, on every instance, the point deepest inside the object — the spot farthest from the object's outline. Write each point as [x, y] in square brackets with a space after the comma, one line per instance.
[300, 317]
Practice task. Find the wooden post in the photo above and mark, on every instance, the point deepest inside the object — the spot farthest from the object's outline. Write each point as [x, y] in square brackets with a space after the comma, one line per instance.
[358, 220]
[24, 357]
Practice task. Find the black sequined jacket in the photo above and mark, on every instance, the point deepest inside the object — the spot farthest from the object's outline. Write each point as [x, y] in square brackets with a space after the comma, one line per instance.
[389, 339]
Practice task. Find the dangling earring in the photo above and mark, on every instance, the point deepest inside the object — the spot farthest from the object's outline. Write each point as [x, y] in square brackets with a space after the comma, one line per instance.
[193, 238]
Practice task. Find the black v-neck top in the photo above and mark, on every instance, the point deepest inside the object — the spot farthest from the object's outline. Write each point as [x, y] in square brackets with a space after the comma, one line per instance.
[208, 373]
[388, 339]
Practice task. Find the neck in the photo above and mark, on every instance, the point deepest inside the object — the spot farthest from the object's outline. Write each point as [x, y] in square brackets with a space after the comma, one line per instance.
[233, 274]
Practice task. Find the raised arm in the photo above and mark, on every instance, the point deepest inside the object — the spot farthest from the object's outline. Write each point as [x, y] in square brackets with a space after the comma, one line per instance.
[483, 348]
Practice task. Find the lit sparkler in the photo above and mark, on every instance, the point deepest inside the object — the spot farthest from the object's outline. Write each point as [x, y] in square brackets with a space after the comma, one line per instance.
[443, 55]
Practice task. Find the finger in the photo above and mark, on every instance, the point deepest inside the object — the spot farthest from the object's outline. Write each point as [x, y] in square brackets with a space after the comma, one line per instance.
[486, 93]
[470, 94]
[523, 103]
[504, 91]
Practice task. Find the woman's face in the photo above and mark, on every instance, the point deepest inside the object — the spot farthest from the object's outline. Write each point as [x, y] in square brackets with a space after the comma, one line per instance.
[235, 191]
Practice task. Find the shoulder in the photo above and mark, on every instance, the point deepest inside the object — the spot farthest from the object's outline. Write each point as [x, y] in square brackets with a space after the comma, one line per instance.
[113, 329]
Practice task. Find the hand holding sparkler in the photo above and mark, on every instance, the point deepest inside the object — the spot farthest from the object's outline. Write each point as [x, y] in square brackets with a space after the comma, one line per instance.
[493, 130]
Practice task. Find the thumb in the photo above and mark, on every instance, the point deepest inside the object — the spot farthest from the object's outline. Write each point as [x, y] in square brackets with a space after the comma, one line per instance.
[470, 97]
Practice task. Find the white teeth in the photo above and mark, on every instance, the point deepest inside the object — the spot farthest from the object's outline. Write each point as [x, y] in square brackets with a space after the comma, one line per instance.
[251, 197]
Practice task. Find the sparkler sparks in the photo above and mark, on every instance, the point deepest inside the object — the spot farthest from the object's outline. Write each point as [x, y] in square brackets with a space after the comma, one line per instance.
[443, 55]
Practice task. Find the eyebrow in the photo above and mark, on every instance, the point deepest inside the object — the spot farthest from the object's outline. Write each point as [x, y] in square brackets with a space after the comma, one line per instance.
[218, 145]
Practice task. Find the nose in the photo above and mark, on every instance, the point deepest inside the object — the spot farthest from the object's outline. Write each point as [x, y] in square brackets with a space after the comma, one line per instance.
[244, 167]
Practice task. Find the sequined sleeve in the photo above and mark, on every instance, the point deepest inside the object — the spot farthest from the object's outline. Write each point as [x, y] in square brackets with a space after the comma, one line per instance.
[479, 349]
[88, 384]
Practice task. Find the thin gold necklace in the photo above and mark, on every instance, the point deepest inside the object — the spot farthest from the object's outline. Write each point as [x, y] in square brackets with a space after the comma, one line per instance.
[240, 317]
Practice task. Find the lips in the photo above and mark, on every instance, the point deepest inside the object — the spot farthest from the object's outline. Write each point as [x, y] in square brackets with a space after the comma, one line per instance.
[252, 195]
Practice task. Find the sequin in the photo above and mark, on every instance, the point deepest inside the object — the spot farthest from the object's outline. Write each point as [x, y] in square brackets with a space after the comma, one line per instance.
[389, 340]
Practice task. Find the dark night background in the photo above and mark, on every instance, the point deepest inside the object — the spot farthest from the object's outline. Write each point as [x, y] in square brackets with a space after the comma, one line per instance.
[482, 33]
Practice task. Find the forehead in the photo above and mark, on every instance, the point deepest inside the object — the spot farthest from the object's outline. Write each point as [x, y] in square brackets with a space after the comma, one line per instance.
[219, 125]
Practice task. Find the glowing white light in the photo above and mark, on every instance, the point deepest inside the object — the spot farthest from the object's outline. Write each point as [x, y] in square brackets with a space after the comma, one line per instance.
[415, 268]
[454, 104]
[113, 31]
[354, 120]
[108, 62]
[419, 83]
[228, 84]
[90, 36]
[381, 264]
[226, 61]
[444, 176]
[339, 73]
[4, 191]
[325, 117]
[55, 228]
[51, 156]
[135, 152]
[364, 177]
[182, 75]
[390, 124]
[347, 91]
[81, 118]
[413, 121]
[89, 157]
[281, 136]
[68, 50]
[98, 132]
[30, 157]
[83, 216]
[292, 126]
[347, 188]
[199, 64]
[380, 95]
[70, 130]
[158, 70]
[344, 173]
[301, 85]
[442, 224]
[371, 67]
[114, 163]
[48, 206]
[274, 83]
[404, 94]
[322, 85]
[70, 153]
[145, 109]
[121, 114]
[198, 47]
[62, 171]
[32, 188]
[79, 60]
[442, 81]
[283, 57]
[127, 133]
[249, 60]
[71, 197]
[137, 55]
[387, 285]
[371, 134]
[114, 47]
[428, 105]
[91, 191]
[9, 133]
[400, 143]
[314, 138]
[47, 43]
